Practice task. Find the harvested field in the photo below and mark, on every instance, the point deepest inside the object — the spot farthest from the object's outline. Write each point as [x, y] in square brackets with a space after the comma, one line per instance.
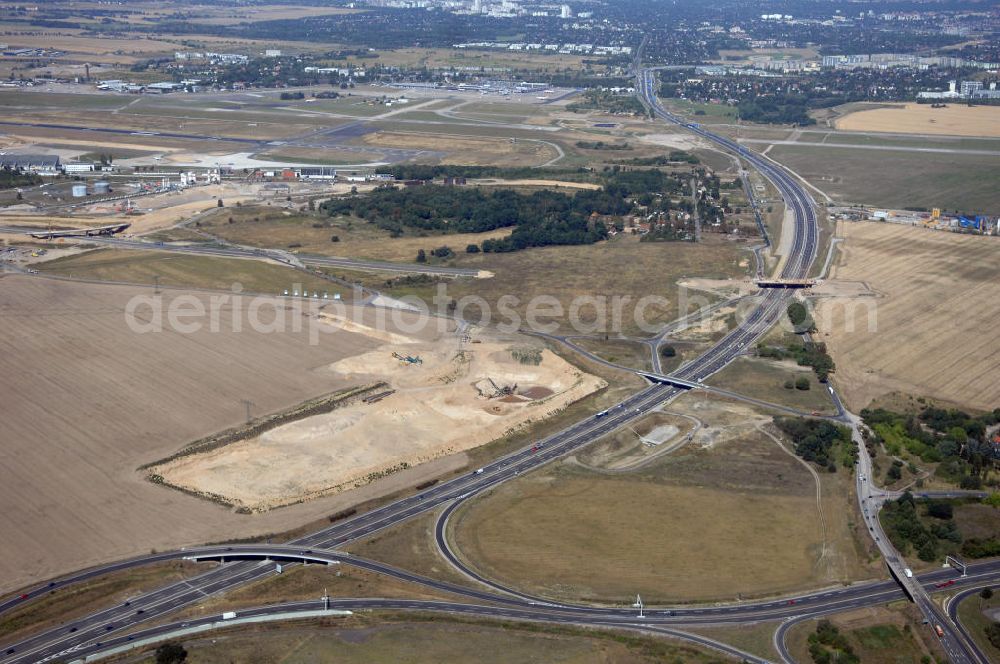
[570, 532]
[85, 400]
[938, 301]
[619, 268]
[188, 271]
[443, 402]
[120, 50]
[894, 179]
[956, 119]
[267, 227]
[468, 150]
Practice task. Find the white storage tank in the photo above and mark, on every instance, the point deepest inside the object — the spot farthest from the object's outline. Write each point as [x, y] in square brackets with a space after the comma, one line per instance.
[102, 187]
[79, 190]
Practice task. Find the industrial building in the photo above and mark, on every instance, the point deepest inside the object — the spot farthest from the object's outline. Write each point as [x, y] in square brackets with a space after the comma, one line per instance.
[300, 173]
[42, 164]
[965, 90]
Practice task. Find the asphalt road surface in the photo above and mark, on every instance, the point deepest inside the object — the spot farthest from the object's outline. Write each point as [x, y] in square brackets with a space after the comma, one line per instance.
[105, 627]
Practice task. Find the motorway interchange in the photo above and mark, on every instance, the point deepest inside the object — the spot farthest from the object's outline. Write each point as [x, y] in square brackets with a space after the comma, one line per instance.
[101, 633]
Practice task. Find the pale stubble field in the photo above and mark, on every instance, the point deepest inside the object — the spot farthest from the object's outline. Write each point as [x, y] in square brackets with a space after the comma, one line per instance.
[933, 318]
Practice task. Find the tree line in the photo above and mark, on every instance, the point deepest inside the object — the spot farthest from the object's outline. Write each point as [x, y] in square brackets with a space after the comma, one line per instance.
[11, 178]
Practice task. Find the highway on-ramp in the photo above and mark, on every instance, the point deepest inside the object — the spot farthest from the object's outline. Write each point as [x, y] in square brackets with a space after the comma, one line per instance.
[108, 625]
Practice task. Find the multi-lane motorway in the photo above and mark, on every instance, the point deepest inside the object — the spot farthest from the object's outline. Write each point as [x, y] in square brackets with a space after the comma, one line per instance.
[97, 632]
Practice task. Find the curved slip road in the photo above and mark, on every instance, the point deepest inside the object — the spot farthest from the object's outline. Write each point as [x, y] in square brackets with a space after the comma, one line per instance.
[90, 630]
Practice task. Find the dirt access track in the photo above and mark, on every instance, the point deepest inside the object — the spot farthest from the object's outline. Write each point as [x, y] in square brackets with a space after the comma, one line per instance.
[928, 330]
[85, 401]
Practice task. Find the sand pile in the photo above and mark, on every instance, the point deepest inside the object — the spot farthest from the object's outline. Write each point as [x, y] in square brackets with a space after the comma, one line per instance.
[444, 403]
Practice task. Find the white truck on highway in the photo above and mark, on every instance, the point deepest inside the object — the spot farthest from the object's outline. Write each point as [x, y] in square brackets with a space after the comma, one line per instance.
[228, 615]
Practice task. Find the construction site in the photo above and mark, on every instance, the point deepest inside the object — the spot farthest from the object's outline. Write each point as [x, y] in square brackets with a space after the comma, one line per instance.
[437, 395]
[935, 219]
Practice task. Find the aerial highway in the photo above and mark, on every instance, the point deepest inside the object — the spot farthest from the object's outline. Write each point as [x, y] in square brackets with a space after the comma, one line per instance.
[960, 650]
[95, 633]
[107, 626]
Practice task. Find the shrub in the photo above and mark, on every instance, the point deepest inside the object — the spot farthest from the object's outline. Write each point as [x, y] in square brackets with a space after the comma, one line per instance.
[171, 653]
[802, 383]
[527, 355]
[940, 509]
[993, 634]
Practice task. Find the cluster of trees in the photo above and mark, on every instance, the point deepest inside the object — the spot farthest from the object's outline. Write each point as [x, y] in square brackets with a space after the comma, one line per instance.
[807, 354]
[828, 646]
[817, 441]
[993, 629]
[601, 145]
[441, 253]
[952, 438]
[11, 178]
[171, 653]
[779, 109]
[788, 99]
[674, 157]
[984, 547]
[908, 531]
[669, 233]
[800, 318]
[390, 28]
[540, 218]
[605, 100]
[801, 383]
[286, 96]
